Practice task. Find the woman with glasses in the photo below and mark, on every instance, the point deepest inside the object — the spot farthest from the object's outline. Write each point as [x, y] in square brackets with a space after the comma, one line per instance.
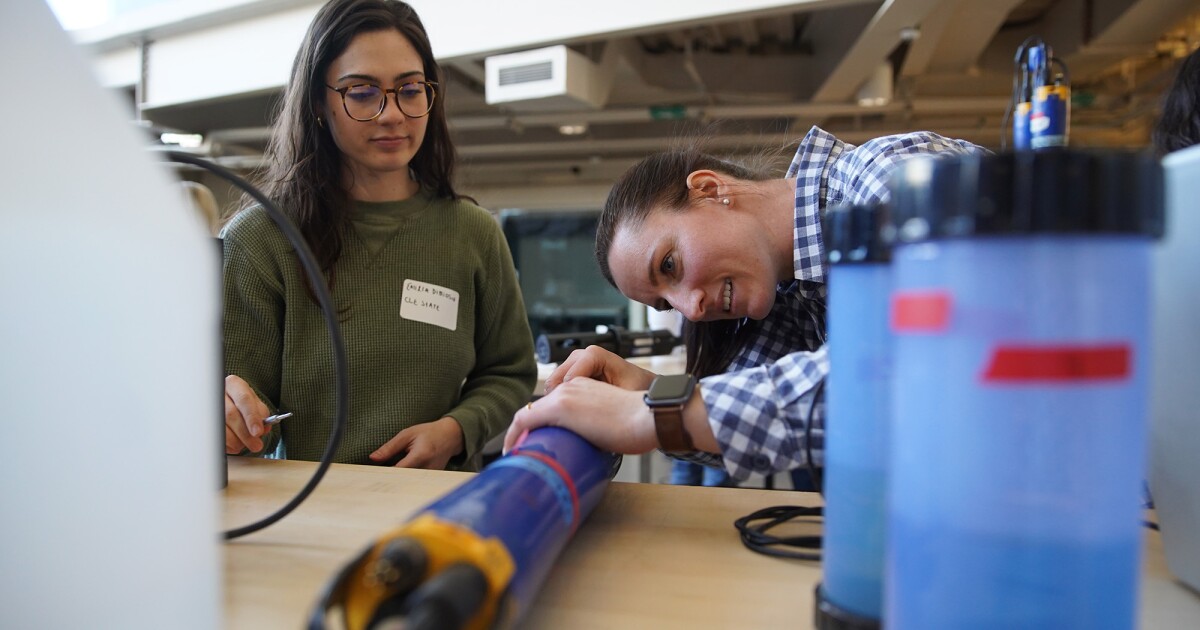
[440, 352]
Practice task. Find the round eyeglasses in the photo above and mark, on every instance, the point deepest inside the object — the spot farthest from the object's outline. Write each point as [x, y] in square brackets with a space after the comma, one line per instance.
[365, 102]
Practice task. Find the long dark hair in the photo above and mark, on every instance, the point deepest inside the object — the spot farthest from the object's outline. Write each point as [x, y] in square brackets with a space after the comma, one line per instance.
[660, 181]
[1179, 126]
[304, 166]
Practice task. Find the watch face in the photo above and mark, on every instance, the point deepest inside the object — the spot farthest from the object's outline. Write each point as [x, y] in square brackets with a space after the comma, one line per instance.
[671, 388]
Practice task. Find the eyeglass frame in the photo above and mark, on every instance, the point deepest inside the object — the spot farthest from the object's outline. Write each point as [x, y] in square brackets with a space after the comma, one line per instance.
[395, 92]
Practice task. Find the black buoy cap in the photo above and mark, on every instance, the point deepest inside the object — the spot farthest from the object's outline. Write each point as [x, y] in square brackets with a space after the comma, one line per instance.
[1027, 192]
[829, 616]
[855, 233]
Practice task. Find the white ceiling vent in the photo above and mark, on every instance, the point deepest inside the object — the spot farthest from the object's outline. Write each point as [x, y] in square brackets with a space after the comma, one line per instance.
[547, 79]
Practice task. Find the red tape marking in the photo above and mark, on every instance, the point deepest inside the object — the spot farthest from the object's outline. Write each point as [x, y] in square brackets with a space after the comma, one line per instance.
[921, 311]
[562, 472]
[1057, 364]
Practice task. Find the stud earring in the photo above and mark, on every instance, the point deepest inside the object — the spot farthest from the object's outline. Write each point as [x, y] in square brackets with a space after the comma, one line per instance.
[725, 200]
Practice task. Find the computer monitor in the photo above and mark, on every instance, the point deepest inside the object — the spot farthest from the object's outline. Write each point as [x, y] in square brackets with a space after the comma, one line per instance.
[556, 264]
[1175, 395]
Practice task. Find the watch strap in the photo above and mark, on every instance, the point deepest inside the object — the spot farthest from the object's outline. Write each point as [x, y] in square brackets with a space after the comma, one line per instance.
[668, 425]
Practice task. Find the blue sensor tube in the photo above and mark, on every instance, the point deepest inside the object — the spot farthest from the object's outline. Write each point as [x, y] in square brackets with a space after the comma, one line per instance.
[476, 557]
[532, 500]
[1019, 437]
[858, 403]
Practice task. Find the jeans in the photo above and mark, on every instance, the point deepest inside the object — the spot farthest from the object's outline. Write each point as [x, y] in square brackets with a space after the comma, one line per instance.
[802, 481]
[692, 474]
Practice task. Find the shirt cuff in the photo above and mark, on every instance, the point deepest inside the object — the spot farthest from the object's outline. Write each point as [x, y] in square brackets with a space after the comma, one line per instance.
[758, 415]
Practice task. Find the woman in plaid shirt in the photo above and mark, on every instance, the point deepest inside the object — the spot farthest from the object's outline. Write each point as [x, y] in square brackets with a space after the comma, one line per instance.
[738, 253]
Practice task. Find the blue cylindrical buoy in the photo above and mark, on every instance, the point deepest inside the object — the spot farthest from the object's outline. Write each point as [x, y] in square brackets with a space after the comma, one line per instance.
[858, 408]
[1020, 314]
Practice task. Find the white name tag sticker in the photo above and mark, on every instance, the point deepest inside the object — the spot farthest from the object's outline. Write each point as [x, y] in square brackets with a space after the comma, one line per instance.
[431, 304]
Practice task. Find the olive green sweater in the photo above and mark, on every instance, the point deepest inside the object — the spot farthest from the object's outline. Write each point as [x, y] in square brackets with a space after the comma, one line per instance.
[471, 358]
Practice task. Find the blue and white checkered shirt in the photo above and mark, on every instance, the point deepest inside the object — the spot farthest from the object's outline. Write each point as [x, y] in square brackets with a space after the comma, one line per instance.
[759, 408]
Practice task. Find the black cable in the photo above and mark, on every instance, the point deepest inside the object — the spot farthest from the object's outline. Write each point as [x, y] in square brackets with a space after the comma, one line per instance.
[756, 538]
[321, 291]
[1010, 110]
[1066, 73]
[1008, 113]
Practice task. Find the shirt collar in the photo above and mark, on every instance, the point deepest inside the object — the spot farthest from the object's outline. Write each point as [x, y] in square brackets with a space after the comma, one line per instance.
[814, 159]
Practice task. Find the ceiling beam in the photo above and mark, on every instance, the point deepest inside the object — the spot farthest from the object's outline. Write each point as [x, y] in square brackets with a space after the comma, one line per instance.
[972, 26]
[987, 134]
[829, 35]
[1132, 31]
[168, 19]
[748, 31]
[874, 44]
[727, 74]
[930, 30]
[782, 28]
[812, 111]
[546, 23]
[1092, 35]
[620, 151]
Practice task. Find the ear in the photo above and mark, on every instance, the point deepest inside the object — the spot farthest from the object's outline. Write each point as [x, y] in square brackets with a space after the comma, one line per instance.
[322, 107]
[708, 185]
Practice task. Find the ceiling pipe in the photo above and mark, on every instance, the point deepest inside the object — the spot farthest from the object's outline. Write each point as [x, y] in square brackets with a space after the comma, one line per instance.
[917, 107]
[987, 134]
[966, 105]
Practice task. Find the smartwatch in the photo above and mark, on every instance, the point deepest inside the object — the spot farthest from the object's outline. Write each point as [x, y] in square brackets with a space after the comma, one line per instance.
[666, 398]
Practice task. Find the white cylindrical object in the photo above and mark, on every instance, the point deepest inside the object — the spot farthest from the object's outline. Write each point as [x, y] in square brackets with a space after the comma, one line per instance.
[637, 316]
[110, 325]
[671, 320]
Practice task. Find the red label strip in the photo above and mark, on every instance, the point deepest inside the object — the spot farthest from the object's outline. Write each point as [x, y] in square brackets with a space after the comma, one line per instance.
[926, 311]
[1056, 364]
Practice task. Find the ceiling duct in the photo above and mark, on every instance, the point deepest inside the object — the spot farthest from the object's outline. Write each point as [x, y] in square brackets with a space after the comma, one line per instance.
[547, 79]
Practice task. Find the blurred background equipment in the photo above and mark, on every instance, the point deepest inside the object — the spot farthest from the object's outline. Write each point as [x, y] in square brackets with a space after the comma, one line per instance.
[563, 288]
[1041, 109]
[620, 341]
[201, 198]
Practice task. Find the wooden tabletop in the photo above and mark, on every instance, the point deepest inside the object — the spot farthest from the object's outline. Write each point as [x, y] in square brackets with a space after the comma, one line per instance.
[650, 556]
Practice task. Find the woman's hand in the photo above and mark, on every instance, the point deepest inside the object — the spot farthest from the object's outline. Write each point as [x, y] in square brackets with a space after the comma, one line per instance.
[611, 418]
[427, 445]
[597, 363]
[244, 414]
